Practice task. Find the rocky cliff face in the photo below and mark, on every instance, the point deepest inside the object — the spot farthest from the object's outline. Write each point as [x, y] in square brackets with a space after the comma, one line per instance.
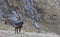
[45, 12]
[50, 13]
[50, 8]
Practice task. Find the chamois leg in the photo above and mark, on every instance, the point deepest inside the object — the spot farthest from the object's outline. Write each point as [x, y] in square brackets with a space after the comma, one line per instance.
[19, 29]
[16, 30]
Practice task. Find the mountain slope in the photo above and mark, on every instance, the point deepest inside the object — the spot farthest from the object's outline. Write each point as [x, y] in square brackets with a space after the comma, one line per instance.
[45, 12]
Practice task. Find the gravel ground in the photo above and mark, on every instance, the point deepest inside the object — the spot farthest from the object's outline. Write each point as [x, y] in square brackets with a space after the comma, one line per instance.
[9, 33]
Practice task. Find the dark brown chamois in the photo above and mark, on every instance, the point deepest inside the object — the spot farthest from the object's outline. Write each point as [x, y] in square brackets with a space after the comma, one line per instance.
[18, 26]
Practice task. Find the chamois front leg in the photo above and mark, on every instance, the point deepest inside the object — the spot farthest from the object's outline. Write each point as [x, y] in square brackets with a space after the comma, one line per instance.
[16, 30]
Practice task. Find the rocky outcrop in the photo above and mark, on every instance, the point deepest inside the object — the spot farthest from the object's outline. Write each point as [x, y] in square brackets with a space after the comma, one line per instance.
[49, 9]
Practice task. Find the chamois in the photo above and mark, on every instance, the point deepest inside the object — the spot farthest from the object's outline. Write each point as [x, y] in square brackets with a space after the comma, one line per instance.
[15, 23]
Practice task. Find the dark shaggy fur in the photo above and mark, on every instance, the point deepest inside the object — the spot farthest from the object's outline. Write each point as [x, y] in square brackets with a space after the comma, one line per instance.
[18, 26]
